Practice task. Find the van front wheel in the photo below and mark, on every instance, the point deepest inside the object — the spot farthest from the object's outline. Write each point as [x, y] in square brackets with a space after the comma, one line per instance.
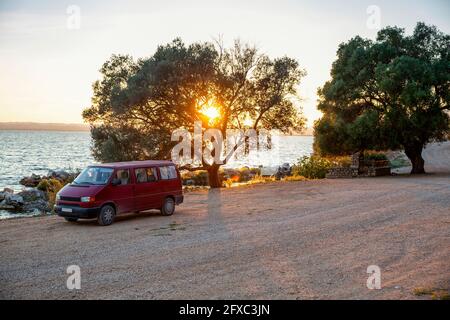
[106, 215]
[168, 207]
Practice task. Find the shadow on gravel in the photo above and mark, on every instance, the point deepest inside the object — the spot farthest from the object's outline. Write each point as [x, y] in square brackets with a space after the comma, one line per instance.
[123, 218]
[417, 176]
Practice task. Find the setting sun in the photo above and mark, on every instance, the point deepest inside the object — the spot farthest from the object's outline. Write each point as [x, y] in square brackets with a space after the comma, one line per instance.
[211, 112]
[248, 122]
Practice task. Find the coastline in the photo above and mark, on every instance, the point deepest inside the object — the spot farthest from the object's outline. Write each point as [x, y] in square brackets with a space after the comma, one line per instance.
[37, 126]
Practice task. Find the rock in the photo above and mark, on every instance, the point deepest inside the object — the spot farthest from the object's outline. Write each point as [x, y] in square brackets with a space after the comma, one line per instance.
[4, 206]
[5, 199]
[14, 200]
[31, 181]
[39, 204]
[8, 190]
[30, 195]
[61, 175]
[283, 171]
[27, 200]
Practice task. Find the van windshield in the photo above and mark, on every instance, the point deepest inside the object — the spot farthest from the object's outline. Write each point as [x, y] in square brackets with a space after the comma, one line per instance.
[94, 175]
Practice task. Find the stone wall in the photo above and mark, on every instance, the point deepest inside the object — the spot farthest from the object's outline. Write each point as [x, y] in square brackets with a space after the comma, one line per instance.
[342, 172]
[360, 168]
[378, 171]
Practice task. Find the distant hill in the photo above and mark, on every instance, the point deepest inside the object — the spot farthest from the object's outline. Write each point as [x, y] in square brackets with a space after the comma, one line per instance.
[305, 132]
[43, 126]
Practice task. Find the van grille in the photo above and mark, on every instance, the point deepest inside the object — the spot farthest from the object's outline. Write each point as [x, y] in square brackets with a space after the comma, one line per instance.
[74, 199]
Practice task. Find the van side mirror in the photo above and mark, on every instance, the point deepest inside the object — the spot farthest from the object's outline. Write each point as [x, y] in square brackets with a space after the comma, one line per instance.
[115, 182]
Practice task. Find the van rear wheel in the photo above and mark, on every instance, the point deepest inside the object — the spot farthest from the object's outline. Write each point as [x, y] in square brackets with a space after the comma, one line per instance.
[106, 215]
[168, 207]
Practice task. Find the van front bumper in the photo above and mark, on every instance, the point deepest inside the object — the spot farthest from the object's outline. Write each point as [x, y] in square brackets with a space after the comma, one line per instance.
[76, 212]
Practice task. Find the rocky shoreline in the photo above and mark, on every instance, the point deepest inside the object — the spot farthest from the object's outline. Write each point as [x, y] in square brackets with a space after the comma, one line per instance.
[28, 200]
[38, 195]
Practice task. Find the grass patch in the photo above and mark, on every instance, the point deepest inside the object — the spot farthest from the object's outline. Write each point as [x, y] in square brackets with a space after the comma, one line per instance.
[229, 183]
[163, 231]
[194, 188]
[260, 179]
[176, 226]
[435, 293]
[295, 178]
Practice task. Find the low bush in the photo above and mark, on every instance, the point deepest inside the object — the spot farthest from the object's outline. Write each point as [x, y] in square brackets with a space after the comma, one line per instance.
[375, 156]
[226, 175]
[313, 167]
[51, 188]
[197, 178]
[340, 161]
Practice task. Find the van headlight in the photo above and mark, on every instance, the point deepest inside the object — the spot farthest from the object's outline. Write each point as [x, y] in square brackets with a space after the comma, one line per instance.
[58, 197]
[87, 199]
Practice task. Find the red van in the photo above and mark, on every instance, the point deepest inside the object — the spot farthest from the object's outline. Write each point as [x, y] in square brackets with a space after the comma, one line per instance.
[102, 191]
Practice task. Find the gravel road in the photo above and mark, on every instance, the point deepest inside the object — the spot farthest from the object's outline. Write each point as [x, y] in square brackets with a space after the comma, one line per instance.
[290, 240]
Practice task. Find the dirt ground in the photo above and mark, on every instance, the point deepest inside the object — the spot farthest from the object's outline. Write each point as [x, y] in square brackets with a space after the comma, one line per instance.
[290, 240]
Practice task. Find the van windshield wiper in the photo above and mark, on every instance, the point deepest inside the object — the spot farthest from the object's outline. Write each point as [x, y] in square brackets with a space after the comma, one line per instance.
[85, 182]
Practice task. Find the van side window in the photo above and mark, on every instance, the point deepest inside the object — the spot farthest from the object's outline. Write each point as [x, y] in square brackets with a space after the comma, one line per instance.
[145, 175]
[141, 175]
[172, 172]
[168, 172]
[123, 175]
[151, 174]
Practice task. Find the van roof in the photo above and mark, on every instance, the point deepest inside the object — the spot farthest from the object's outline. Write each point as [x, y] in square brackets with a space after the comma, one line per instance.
[134, 164]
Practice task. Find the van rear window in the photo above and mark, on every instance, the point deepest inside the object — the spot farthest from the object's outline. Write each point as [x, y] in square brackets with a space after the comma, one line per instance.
[168, 172]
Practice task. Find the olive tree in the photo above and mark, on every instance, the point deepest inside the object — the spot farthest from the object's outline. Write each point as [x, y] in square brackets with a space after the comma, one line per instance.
[389, 93]
[136, 105]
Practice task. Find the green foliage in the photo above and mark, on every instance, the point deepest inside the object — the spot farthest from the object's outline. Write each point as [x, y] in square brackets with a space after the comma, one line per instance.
[375, 156]
[313, 167]
[126, 143]
[197, 178]
[227, 175]
[51, 188]
[340, 161]
[43, 185]
[246, 174]
[435, 293]
[387, 94]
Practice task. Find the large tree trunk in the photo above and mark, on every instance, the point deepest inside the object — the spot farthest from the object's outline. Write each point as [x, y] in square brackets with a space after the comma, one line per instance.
[213, 176]
[414, 154]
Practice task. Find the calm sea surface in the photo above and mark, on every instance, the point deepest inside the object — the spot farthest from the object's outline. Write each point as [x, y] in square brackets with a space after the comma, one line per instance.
[25, 152]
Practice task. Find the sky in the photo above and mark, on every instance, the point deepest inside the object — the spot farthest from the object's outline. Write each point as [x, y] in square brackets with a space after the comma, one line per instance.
[51, 51]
